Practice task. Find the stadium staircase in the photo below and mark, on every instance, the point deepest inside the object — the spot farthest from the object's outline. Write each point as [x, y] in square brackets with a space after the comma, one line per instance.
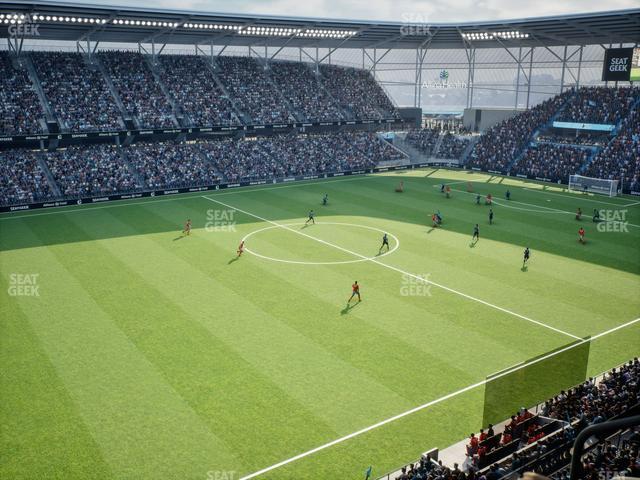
[242, 117]
[467, 151]
[179, 117]
[297, 115]
[49, 176]
[35, 81]
[347, 112]
[92, 61]
[125, 159]
[406, 160]
[415, 155]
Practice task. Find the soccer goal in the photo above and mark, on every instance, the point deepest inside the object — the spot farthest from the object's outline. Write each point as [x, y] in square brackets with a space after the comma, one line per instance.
[593, 185]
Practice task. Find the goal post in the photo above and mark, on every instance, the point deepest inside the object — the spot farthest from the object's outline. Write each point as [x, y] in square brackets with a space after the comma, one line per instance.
[602, 186]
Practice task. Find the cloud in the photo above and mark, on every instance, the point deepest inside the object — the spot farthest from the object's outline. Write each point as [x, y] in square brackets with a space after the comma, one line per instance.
[391, 10]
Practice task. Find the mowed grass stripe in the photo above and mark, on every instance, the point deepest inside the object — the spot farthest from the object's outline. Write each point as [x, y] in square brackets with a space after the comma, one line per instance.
[233, 398]
[311, 375]
[128, 407]
[42, 434]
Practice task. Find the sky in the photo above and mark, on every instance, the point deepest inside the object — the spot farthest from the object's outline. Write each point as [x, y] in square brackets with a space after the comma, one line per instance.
[419, 11]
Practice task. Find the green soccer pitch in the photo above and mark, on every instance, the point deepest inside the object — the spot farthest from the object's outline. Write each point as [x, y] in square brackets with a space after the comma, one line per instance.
[132, 351]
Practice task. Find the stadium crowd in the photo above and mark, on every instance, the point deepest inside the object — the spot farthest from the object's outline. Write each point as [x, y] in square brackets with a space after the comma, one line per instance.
[357, 91]
[96, 170]
[92, 170]
[550, 162]
[503, 142]
[620, 159]
[22, 178]
[451, 146]
[141, 95]
[300, 86]
[20, 109]
[77, 92]
[249, 85]
[194, 89]
[423, 139]
[606, 105]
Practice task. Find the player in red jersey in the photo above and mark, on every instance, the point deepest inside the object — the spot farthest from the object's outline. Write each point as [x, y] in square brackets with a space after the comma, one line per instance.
[187, 228]
[241, 248]
[355, 291]
[488, 200]
[581, 235]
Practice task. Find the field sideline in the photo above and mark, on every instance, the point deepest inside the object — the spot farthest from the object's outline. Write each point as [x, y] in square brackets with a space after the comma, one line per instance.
[147, 354]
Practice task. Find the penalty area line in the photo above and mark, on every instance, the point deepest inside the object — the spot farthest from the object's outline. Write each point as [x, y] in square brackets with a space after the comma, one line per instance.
[391, 267]
[424, 406]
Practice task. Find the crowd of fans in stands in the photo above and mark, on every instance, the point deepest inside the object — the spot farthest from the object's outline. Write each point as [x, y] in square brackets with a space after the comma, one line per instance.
[97, 170]
[551, 162]
[451, 146]
[191, 84]
[22, 179]
[620, 159]
[357, 91]
[92, 170]
[503, 142]
[77, 92]
[255, 95]
[301, 87]
[423, 139]
[20, 108]
[606, 105]
[141, 95]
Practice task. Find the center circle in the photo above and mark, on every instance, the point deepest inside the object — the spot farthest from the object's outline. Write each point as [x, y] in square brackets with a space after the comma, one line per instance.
[341, 262]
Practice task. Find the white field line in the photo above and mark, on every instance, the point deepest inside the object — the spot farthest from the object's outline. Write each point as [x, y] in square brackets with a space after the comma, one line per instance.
[181, 196]
[575, 196]
[631, 204]
[432, 402]
[551, 210]
[377, 262]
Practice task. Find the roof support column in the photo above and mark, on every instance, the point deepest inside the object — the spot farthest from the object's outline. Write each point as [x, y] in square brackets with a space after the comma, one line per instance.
[530, 70]
[519, 66]
[579, 67]
[564, 68]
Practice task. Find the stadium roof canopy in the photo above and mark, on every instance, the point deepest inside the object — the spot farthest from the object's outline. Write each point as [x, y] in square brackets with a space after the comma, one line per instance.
[76, 22]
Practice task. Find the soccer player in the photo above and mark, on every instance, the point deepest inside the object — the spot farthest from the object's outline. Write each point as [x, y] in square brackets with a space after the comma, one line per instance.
[311, 218]
[187, 227]
[400, 188]
[508, 195]
[489, 199]
[527, 255]
[442, 188]
[476, 233]
[448, 191]
[596, 215]
[579, 214]
[241, 248]
[490, 216]
[325, 199]
[355, 291]
[581, 235]
[385, 241]
[478, 199]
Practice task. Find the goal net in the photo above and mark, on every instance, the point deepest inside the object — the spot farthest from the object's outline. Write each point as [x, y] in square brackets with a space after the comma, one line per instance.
[593, 185]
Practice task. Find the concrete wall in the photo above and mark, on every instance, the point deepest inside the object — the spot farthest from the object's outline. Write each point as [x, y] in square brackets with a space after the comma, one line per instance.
[480, 119]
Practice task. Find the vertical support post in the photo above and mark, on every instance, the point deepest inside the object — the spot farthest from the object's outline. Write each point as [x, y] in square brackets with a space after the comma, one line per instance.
[518, 67]
[579, 66]
[564, 68]
[473, 75]
[530, 71]
[415, 85]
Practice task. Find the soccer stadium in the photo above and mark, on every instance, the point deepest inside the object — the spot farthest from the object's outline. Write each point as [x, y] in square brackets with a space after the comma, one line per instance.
[244, 245]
